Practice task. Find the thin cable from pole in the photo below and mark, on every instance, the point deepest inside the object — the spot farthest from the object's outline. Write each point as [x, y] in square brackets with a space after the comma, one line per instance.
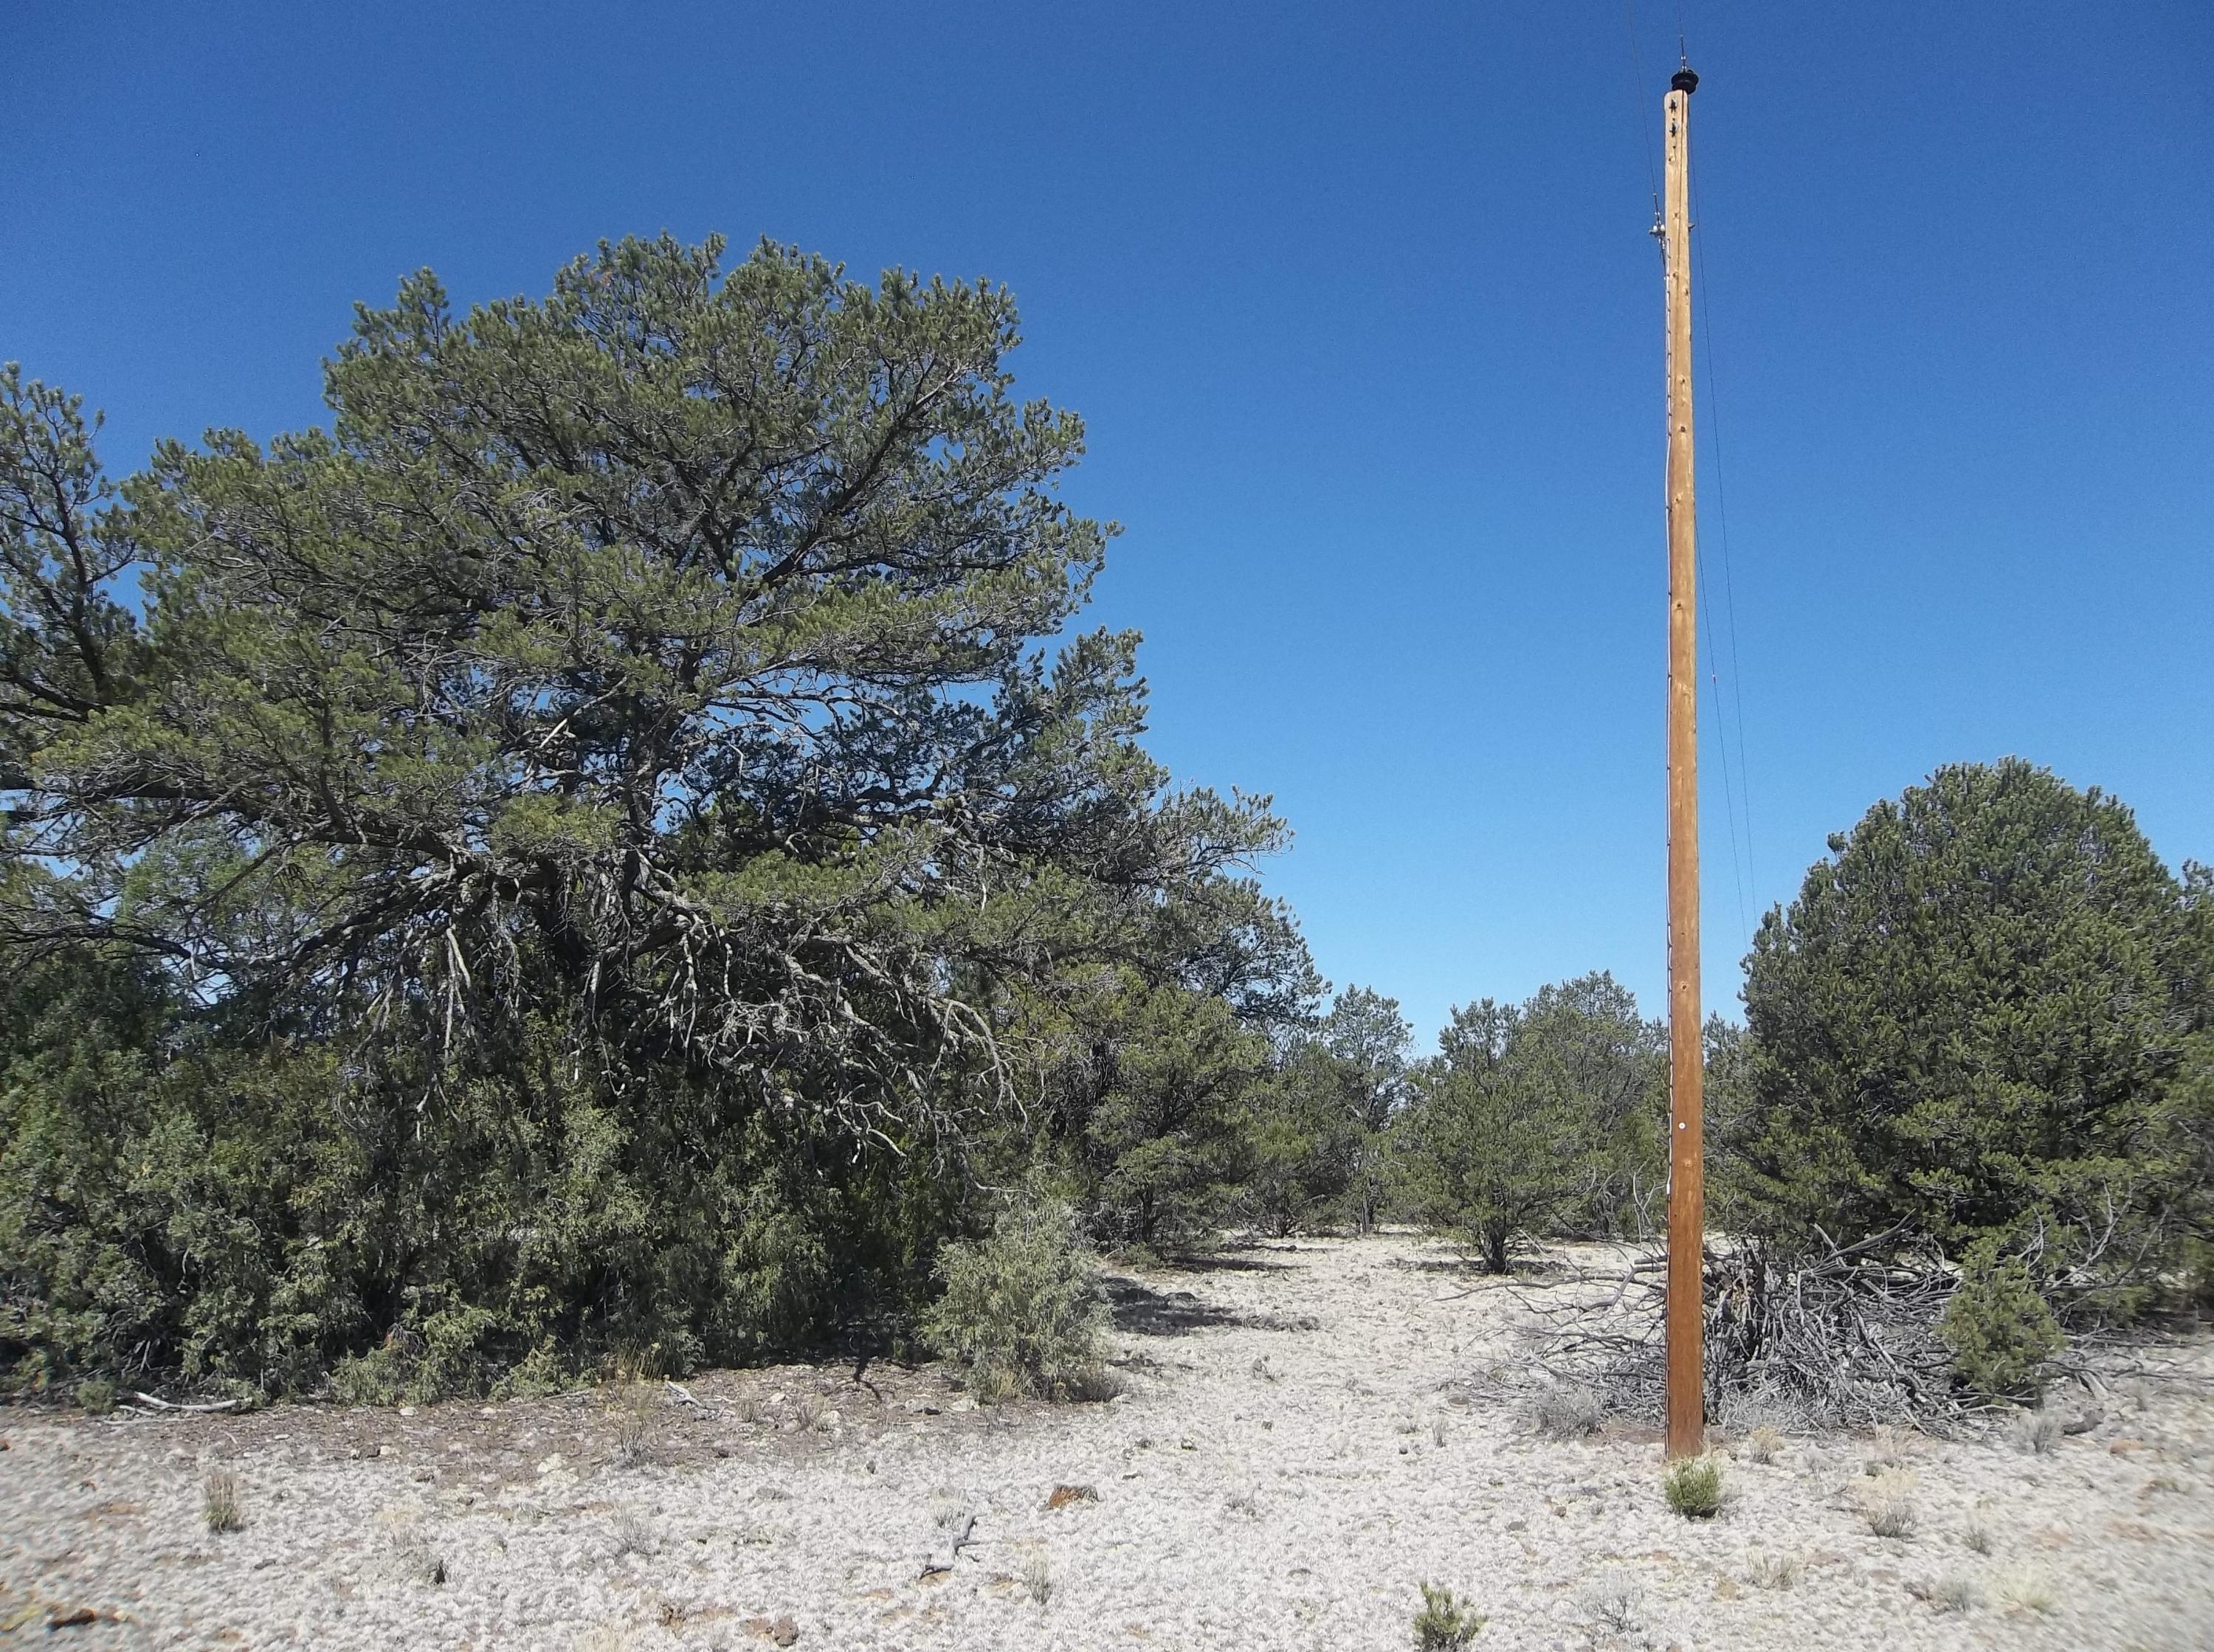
[1637, 103]
[1702, 292]
[1722, 743]
[1714, 699]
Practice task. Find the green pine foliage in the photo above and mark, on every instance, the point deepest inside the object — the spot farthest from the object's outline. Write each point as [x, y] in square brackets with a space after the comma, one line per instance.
[593, 856]
[1539, 1119]
[1161, 1115]
[1318, 1157]
[2186, 1121]
[2000, 1331]
[1976, 1022]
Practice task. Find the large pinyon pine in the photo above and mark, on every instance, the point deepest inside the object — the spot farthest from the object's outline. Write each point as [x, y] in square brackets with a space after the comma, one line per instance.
[1983, 1020]
[566, 859]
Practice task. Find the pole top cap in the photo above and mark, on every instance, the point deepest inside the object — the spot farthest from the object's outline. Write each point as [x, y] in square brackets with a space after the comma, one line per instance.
[1684, 81]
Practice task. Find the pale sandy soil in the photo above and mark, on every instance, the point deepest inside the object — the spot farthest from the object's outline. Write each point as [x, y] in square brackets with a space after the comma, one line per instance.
[1309, 1431]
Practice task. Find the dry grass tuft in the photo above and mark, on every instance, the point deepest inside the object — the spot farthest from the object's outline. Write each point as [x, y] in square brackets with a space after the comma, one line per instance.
[1566, 1412]
[1614, 1603]
[1978, 1536]
[1775, 1571]
[634, 1533]
[1954, 1592]
[1895, 1515]
[2037, 1433]
[2026, 1589]
[220, 1502]
[1037, 1579]
[633, 1413]
[1764, 1444]
[1888, 1506]
[1095, 1385]
[1890, 1447]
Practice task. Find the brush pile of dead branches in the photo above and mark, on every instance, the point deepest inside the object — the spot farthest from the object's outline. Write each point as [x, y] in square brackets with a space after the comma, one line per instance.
[1824, 1337]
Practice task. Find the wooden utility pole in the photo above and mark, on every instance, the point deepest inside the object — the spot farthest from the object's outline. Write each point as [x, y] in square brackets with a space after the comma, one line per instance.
[1687, 1421]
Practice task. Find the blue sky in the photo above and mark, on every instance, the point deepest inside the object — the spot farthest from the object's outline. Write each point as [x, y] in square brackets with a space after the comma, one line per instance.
[1359, 305]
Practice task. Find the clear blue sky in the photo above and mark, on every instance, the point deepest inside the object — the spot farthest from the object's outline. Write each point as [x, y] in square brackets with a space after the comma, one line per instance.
[1359, 304]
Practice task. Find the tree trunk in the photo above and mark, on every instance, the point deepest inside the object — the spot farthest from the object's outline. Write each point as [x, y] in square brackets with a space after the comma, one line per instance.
[1495, 1247]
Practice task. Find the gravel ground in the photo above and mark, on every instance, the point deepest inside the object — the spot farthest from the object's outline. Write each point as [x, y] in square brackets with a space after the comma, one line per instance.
[1307, 1432]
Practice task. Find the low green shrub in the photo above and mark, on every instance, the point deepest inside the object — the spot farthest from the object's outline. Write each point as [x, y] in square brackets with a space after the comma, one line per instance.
[95, 1396]
[1445, 1625]
[1693, 1486]
[2001, 1332]
[1022, 1311]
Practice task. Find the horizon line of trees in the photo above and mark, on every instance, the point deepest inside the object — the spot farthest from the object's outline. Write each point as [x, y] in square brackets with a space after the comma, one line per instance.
[598, 858]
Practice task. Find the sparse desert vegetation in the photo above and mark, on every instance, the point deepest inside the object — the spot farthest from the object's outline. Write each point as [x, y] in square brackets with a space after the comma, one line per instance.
[1037, 1579]
[633, 1414]
[2038, 1432]
[601, 998]
[1563, 1412]
[1614, 1603]
[907, 1515]
[1775, 1571]
[1953, 1592]
[1889, 1505]
[221, 1507]
[2027, 1588]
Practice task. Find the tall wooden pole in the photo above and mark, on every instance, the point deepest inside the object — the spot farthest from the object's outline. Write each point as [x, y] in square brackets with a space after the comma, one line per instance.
[1687, 1430]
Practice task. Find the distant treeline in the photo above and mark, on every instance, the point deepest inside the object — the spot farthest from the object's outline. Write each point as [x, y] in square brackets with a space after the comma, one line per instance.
[593, 858]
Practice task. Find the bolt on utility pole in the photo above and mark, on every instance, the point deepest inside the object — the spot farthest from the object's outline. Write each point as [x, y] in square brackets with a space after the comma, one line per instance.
[1686, 1404]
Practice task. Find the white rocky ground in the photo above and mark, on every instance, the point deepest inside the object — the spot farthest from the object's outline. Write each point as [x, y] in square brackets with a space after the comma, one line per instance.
[1303, 1438]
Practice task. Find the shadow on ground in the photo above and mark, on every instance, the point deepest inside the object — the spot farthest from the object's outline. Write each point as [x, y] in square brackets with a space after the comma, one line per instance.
[1148, 1313]
[1219, 1262]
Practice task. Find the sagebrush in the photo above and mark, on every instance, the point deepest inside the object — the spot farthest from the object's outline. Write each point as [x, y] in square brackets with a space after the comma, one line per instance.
[1022, 1311]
